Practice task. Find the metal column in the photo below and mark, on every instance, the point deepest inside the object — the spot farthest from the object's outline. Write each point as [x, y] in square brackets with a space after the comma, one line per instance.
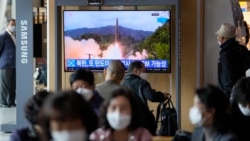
[24, 62]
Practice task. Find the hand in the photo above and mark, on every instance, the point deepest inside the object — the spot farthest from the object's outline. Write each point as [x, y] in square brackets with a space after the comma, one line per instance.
[166, 95]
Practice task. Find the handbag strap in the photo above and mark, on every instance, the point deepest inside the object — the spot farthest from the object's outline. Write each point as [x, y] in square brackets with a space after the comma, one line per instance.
[158, 112]
[2, 44]
[169, 103]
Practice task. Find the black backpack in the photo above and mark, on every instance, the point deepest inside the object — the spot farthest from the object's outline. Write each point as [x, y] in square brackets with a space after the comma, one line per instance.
[168, 118]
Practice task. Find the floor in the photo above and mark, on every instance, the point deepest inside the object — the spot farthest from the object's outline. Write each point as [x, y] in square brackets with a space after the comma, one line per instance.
[7, 115]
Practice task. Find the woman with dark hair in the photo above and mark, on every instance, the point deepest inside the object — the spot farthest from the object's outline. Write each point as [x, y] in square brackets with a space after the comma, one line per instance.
[210, 114]
[69, 117]
[121, 119]
[32, 110]
[240, 101]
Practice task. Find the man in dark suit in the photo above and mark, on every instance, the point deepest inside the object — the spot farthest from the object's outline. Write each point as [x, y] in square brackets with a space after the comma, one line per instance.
[8, 65]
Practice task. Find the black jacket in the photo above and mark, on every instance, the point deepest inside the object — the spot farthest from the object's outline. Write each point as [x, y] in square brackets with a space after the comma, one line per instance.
[135, 82]
[139, 85]
[7, 52]
[231, 65]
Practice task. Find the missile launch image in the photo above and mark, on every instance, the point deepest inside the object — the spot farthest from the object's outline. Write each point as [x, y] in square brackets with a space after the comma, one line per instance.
[133, 35]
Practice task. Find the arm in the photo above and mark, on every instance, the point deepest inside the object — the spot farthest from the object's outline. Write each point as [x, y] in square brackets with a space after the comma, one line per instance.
[1, 41]
[151, 94]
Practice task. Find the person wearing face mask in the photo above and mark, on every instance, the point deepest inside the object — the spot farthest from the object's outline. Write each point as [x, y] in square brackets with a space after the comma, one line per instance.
[210, 114]
[32, 110]
[82, 81]
[136, 80]
[120, 119]
[8, 65]
[240, 103]
[68, 117]
[232, 59]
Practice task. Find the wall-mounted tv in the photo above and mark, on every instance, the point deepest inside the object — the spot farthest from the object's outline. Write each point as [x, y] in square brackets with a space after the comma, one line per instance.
[93, 38]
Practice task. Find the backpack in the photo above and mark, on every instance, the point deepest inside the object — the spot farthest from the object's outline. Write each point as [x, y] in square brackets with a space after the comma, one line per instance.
[168, 118]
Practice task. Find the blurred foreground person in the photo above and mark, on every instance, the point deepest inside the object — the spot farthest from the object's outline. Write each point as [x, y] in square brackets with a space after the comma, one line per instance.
[210, 116]
[121, 120]
[69, 117]
[240, 100]
[32, 112]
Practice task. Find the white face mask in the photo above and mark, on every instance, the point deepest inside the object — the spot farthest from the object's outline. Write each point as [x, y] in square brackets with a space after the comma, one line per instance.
[68, 135]
[244, 111]
[86, 93]
[195, 115]
[12, 28]
[118, 121]
[143, 75]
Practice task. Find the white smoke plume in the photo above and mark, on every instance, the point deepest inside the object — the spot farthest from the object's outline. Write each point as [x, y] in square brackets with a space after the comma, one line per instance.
[85, 49]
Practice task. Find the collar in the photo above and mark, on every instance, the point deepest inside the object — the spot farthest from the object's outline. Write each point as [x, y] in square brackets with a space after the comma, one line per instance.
[111, 81]
[224, 45]
[9, 32]
[131, 75]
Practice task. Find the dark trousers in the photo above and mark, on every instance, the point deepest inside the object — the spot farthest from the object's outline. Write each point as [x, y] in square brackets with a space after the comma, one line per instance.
[7, 86]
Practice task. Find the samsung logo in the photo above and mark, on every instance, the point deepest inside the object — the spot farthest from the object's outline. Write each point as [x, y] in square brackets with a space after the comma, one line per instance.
[24, 41]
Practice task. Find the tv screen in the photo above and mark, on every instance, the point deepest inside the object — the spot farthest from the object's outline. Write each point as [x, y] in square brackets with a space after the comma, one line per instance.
[93, 38]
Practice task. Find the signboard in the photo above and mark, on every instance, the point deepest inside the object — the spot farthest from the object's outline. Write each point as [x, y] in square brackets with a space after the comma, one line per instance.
[24, 62]
[74, 64]
[24, 57]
